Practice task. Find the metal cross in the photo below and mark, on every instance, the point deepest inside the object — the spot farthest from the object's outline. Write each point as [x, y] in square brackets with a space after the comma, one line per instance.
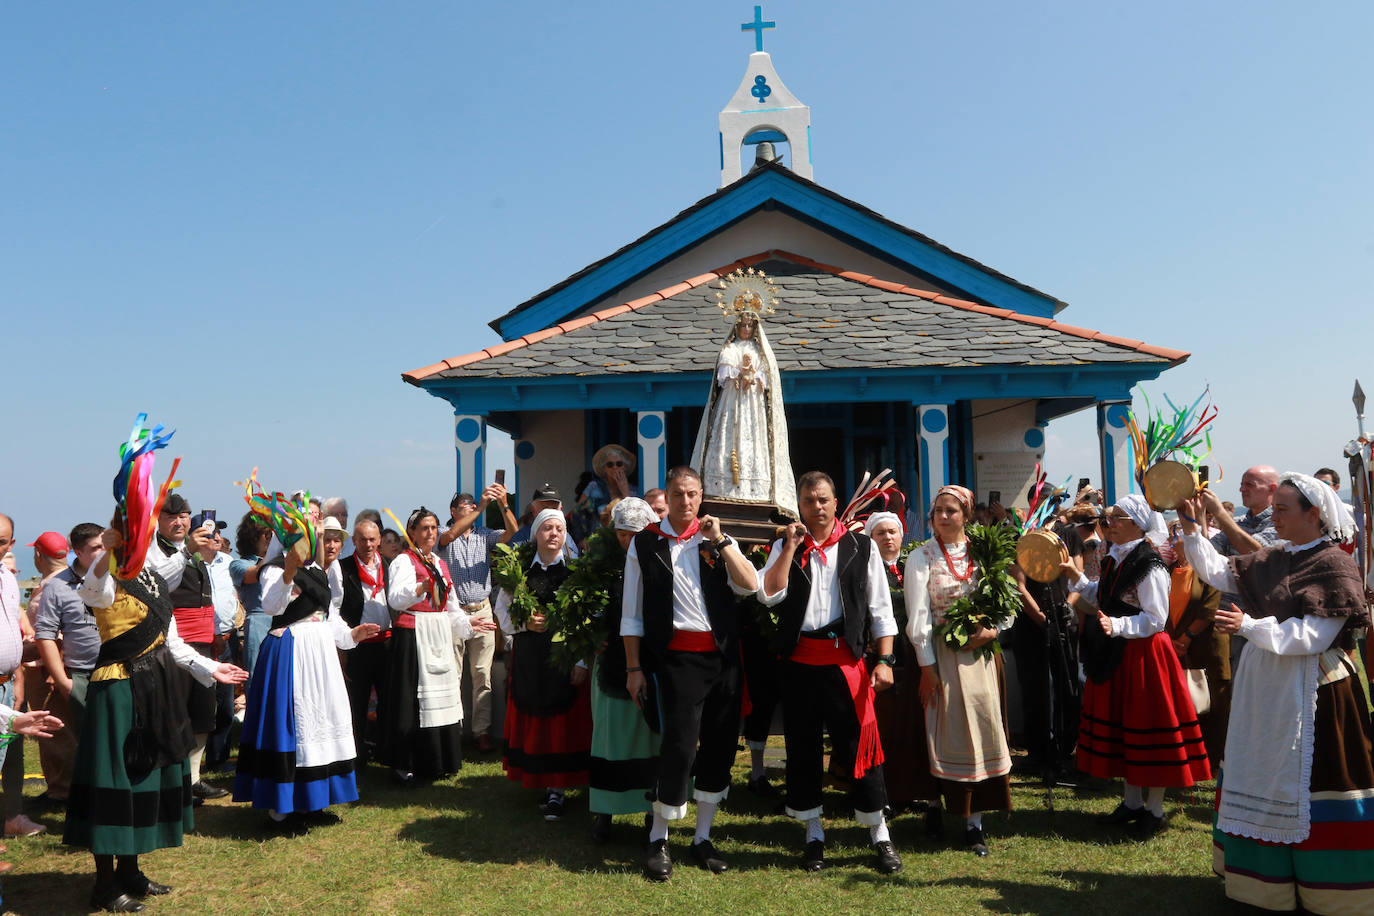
[757, 27]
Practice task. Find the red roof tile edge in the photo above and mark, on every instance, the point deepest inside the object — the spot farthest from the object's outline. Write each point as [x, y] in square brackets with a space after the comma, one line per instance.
[887, 285]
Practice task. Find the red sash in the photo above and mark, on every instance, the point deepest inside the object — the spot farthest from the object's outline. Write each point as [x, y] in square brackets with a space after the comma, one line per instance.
[195, 624]
[692, 641]
[836, 652]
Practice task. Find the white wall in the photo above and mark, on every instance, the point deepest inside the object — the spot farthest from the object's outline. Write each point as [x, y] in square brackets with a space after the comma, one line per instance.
[559, 438]
[1007, 462]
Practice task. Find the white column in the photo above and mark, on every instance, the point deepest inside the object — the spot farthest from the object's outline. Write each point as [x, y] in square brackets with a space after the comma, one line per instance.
[932, 453]
[652, 429]
[470, 443]
[1118, 452]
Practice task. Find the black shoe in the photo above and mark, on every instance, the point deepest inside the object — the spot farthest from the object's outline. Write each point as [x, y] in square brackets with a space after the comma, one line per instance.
[889, 863]
[114, 900]
[705, 855]
[601, 829]
[552, 808]
[973, 839]
[762, 787]
[658, 865]
[291, 825]
[139, 885]
[321, 818]
[404, 778]
[814, 858]
[1147, 825]
[1122, 815]
[203, 789]
[935, 823]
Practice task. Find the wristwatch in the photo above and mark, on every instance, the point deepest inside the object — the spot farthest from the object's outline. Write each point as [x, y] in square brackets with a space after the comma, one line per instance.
[890, 660]
[722, 542]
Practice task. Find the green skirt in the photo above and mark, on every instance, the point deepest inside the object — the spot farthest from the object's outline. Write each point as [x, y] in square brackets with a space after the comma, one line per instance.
[108, 814]
[624, 754]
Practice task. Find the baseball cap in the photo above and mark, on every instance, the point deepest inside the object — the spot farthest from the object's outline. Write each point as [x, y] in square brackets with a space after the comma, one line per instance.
[546, 491]
[52, 544]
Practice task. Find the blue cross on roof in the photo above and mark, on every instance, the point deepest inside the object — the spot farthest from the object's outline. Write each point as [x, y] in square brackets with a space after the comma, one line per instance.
[757, 27]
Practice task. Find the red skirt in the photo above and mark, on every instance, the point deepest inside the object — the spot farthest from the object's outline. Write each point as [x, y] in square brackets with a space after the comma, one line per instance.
[1141, 724]
[549, 751]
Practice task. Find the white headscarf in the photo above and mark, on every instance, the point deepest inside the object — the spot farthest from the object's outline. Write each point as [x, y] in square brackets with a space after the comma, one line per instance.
[539, 520]
[1335, 524]
[877, 518]
[633, 514]
[1149, 521]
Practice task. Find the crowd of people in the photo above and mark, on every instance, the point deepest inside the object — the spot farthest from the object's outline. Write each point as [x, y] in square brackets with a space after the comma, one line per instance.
[1166, 653]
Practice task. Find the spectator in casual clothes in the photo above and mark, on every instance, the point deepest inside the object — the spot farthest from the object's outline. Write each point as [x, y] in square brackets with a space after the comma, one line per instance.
[336, 507]
[13, 624]
[49, 558]
[251, 540]
[228, 647]
[392, 546]
[68, 643]
[465, 546]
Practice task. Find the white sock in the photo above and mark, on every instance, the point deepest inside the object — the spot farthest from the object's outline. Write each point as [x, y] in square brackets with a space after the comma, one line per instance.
[1154, 800]
[1132, 797]
[878, 833]
[814, 830]
[975, 820]
[658, 830]
[756, 770]
[706, 813]
[197, 755]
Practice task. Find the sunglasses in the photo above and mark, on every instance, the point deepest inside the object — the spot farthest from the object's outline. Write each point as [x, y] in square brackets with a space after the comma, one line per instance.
[615, 464]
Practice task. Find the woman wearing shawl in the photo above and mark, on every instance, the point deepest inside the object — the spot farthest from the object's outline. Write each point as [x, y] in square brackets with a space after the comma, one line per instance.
[1293, 825]
[296, 755]
[1138, 721]
[422, 720]
[131, 785]
[624, 753]
[962, 692]
[548, 716]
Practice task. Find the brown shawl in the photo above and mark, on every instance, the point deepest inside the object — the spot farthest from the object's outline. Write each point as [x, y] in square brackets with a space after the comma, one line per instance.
[1323, 581]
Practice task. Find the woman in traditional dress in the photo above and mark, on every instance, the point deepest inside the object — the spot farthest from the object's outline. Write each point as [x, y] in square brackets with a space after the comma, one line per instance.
[962, 692]
[741, 447]
[296, 753]
[1293, 826]
[131, 783]
[1138, 721]
[548, 716]
[901, 718]
[422, 721]
[624, 753]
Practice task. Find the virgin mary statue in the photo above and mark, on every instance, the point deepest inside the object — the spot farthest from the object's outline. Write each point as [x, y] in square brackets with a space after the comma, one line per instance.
[741, 449]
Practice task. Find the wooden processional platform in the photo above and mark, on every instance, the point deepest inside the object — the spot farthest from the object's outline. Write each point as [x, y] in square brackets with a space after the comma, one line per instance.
[748, 523]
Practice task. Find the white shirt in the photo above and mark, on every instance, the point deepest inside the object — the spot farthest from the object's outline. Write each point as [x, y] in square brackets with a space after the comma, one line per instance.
[277, 594]
[1152, 592]
[1309, 635]
[98, 591]
[823, 605]
[223, 594]
[375, 610]
[400, 593]
[689, 604]
[168, 566]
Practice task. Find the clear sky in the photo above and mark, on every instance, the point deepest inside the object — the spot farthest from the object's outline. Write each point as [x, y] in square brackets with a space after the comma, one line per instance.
[249, 219]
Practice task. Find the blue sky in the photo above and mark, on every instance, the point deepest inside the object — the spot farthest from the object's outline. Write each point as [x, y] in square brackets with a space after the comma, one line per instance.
[248, 220]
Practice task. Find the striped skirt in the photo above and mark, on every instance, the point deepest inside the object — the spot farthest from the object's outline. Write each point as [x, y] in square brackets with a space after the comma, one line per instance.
[1332, 871]
[624, 756]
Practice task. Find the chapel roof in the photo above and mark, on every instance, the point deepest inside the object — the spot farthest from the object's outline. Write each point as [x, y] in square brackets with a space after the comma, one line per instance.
[829, 318]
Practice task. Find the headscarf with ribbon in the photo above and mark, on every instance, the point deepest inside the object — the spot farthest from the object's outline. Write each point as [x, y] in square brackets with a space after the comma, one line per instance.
[962, 495]
[1335, 524]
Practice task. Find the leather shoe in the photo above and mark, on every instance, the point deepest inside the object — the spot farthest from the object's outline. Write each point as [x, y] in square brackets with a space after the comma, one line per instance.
[889, 863]
[814, 859]
[114, 900]
[140, 885]
[762, 787]
[705, 855]
[1147, 826]
[658, 865]
[203, 789]
[973, 839]
[1122, 815]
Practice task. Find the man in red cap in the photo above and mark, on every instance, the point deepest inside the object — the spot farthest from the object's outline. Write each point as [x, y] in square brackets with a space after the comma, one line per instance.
[49, 558]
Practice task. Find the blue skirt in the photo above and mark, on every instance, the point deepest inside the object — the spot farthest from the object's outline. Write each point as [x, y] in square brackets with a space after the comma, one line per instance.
[268, 775]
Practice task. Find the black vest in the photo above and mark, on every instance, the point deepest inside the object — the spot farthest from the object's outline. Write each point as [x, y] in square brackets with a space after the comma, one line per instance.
[851, 557]
[1100, 653]
[656, 583]
[354, 592]
[315, 595]
[536, 686]
[194, 588]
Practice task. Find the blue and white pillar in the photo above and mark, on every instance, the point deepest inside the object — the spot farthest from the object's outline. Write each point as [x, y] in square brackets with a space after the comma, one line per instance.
[470, 442]
[652, 429]
[524, 451]
[1118, 452]
[932, 428]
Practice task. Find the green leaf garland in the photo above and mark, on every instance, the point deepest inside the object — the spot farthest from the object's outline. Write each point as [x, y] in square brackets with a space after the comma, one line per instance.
[994, 598]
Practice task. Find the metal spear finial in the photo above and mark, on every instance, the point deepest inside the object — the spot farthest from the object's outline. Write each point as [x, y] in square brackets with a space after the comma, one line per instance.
[1358, 400]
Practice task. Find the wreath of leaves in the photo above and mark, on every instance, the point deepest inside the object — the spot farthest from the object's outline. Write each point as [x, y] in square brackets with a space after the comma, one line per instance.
[577, 615]
[994, 597]
[508, 565]
[899, 593]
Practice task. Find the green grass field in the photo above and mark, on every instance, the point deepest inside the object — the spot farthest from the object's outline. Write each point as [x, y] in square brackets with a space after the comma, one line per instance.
[476, 843]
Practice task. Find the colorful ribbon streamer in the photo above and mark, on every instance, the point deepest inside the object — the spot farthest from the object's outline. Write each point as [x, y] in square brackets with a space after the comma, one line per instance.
[1185, 437]
[137, 505]
[289, 519]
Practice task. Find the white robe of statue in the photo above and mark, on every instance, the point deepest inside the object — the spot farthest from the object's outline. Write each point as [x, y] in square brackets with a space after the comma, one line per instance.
[743, 437]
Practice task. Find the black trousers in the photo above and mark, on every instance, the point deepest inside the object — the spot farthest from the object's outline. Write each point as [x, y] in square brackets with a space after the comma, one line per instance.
[699, 696]
[761, 674]
[816, 697]
[219, 745]
[200, 700]
[367, 663]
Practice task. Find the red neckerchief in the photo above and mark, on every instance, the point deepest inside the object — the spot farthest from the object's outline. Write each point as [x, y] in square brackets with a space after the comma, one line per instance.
[896, 570]
[366, 576]
[691, 530]
[809, 544]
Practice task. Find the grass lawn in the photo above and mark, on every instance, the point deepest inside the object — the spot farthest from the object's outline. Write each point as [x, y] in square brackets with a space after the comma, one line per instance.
[476, 843]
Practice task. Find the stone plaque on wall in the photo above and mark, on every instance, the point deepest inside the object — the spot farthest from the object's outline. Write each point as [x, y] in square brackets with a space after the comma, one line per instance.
[1009, 473]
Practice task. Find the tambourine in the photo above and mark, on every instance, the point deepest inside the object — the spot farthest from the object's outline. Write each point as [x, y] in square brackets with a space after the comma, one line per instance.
[1039, 554]
[1168, 483]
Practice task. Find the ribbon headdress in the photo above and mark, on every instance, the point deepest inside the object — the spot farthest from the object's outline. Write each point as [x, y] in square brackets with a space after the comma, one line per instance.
[288, 518]
[136, 505]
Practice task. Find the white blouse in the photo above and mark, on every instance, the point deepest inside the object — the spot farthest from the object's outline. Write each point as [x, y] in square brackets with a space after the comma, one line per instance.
[400, 594]
[1152, 592]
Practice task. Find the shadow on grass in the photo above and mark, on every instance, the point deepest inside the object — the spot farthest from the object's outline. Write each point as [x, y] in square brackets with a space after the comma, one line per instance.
[1086, 892]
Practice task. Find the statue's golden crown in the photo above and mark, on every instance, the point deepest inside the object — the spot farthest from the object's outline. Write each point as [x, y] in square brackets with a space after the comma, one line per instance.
[746, 291]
